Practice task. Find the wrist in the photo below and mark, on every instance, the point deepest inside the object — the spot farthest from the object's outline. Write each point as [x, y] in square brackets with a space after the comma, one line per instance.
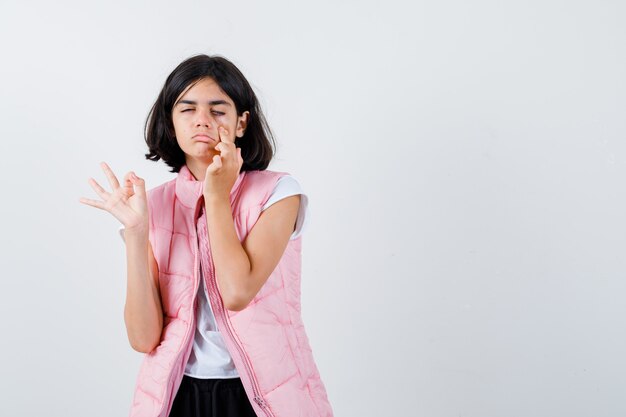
[140, 230]
[214, 198]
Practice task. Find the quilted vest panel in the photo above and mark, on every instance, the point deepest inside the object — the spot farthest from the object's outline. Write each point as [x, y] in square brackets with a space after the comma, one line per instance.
[266, 340]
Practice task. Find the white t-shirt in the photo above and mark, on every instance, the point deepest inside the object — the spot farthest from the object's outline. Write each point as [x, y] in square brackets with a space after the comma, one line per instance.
[209, 357]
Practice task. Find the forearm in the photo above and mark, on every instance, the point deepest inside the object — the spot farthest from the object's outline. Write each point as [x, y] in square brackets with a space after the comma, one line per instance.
[143, 313]
[232, 265]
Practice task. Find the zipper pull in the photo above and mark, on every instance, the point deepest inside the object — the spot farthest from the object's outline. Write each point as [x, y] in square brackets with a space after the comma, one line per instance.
[260, 401]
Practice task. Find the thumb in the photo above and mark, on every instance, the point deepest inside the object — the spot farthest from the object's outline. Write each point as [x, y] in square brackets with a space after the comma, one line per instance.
[215, 165]
[139, 183]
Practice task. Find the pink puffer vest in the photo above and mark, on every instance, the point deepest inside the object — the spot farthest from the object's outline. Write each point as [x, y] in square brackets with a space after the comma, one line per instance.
[266, 340]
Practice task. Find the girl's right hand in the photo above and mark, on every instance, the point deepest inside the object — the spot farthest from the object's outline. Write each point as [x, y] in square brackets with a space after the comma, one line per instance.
[127, 203]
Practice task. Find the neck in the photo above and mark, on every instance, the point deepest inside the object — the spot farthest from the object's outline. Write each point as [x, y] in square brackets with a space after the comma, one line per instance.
[197, 169]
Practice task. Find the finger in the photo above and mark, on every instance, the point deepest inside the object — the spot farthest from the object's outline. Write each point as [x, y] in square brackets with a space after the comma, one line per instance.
[225, 149]
[228, 150]
[140, 185]
[215, 165]
[129, 191]
[223, 133]
[110, 175]
[93, 203]
[104, 194]
[239, 159]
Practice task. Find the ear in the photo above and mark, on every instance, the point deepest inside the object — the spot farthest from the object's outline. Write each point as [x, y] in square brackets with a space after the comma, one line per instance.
[242, 123]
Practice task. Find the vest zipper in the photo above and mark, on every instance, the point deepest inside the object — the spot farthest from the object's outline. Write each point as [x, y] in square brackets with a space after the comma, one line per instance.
[257, 393]
[258, 398]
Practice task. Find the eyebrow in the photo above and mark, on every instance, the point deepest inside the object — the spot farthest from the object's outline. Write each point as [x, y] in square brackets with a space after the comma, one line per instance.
[211, 103]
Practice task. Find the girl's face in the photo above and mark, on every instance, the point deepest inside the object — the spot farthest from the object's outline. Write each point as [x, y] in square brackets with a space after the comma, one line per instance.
[198, 113]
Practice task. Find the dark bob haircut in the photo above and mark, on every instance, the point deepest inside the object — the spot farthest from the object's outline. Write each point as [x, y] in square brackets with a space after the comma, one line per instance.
[257, 143]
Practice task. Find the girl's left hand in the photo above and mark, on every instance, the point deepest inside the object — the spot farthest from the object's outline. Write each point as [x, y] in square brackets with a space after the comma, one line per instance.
[222, 173]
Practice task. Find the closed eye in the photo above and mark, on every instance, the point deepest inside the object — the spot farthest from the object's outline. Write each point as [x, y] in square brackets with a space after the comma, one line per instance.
[219, 113]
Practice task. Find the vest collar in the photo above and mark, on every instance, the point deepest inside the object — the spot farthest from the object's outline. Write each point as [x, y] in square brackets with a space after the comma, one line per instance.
[189, 190]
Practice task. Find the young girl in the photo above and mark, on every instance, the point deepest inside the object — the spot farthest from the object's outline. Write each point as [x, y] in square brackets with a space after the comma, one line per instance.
[213, 258]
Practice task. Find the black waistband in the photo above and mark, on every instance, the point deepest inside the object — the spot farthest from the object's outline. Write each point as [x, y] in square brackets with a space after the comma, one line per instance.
[208, 385]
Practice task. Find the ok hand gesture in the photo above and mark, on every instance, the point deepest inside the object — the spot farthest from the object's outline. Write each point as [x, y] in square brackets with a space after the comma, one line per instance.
[127, 203]
[222, 173]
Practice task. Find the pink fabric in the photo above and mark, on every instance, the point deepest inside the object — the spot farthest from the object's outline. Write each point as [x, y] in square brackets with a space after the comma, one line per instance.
[267, 339]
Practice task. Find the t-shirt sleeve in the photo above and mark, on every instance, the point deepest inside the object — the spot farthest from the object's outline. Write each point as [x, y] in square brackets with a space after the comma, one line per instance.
[287, 186]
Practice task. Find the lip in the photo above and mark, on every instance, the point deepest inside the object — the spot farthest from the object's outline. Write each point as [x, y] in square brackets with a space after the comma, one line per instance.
[201, 137]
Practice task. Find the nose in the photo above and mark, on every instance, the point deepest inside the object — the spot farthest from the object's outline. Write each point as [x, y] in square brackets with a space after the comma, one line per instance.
[204, 119]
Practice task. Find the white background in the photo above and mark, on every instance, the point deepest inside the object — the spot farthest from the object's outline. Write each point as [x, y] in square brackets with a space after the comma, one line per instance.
[465, 164]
